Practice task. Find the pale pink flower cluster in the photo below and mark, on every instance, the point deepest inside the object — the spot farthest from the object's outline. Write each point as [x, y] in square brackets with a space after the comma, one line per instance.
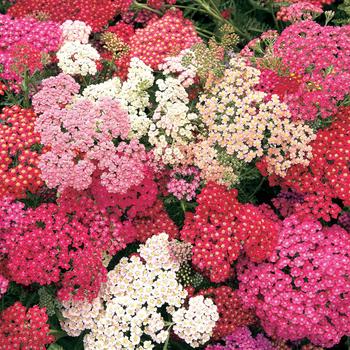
[4, 283]
[75, 31]
[241, 121]
[184, 182]
[185, 73]
[80, 134]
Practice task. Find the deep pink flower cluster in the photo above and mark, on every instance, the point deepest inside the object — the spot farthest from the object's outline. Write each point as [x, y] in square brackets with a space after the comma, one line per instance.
[242, 339]
[23, 42]
[134, 202]
[184, 181]
[61, 244]
[328, 176]
[298, 11]
[24, 329]
[303, 290]
[231, 311]
[95, 13]
[162, 37]
[221, 227]
[315, 59]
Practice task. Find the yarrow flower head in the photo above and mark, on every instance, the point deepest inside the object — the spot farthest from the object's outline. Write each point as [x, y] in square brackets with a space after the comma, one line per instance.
[161, 37]
[302, 290]
[136, 290]
[20, 152]
[75, 31]
[238, 118]
[22, 328]
[75, 58]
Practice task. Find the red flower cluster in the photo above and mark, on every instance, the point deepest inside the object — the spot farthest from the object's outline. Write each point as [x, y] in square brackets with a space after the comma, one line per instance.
[221, 226]
[163, 37]
[24, 329]
[258, 229]
[328, 175]
[231, 311]
[19, 152]
[95, 13]
[153, 221]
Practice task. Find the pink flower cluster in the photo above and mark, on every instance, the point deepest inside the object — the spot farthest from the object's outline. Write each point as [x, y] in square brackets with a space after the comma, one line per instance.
[184, 181]
[81, 136]
[36, 37]
[299, 11]
[312, 75]
[242, 339]
[4, 283]
[61, 244]
[303, 290]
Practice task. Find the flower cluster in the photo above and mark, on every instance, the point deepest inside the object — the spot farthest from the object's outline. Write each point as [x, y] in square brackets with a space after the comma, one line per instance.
[75, 31]
[24, 329]
[303, 289]
[299, 11]
[314, 56]
[24, 42]
[136, 290]
[232, 314]
[238, 119]
[20, 152]
[221, 226]
[95, 13]
[327, 176]
[162, 37]
[173, 125]
[77, 58]
[242, 339]
[184, 181]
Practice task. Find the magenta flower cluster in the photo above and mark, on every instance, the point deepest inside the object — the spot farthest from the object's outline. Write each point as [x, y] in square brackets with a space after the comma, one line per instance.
[40, 36]
[303, 290]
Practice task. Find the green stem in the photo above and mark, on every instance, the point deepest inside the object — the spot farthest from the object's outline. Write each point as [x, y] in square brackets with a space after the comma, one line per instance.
[145, 7]
[165, 347]
[58, 334]
[183, 206]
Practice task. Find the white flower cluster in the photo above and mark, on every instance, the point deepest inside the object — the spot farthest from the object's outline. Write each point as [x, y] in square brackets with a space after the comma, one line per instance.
[77, 58]
[173, 126]
[131, 305]
[75, 31]
[135, 98]
[195, 324]
[157, 251]
[185, 73]
[110, 88]
[79, 315]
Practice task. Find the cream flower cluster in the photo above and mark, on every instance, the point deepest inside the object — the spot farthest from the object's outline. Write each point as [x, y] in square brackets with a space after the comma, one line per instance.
[241, 121]
[75, 58]
[173, 125]
[185, 72]
[131, 304]
[135, 98]
[75, 31]
[109, 88]
[195, 324]
[78, 315]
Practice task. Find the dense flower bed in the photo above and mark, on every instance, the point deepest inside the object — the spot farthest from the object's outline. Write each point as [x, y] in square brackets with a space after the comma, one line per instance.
[174, 175]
